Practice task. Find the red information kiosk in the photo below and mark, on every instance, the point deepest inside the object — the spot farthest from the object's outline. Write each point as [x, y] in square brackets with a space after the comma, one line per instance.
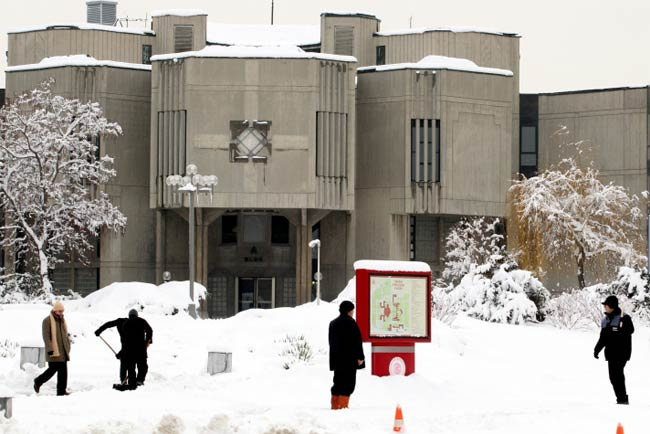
[393, 312]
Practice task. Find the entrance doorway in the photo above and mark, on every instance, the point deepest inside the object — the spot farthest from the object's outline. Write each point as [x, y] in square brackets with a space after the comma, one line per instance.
[255, 293]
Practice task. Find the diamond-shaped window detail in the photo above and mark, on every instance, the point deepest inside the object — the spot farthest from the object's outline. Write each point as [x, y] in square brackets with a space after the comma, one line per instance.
[250, 141]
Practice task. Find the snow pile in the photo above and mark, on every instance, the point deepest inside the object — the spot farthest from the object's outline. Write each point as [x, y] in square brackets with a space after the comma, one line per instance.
[76, 60]
[440, 63]
[349, 292]
[576, 309]
[377, 265]
[505, 297]
[166, 299]
[84, 26]
[262, 35]
[244, 52]
[456, 29]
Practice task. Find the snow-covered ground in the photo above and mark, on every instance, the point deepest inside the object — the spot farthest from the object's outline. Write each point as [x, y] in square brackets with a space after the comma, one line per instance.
[475, 377]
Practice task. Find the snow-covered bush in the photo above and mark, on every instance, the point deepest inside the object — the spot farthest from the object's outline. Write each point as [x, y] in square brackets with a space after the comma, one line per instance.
[8, 348]
[296, 349]
[579, 308]
[505, 297]
[444, 306]
[475, 242]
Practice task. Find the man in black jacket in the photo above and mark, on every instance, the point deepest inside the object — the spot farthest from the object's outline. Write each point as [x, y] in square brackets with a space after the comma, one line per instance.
[346, 355]
[135, 340]
[616, 337]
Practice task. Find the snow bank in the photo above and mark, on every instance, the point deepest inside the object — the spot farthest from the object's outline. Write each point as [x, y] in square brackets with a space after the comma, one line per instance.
[349, 293]
[262, 35]
[266, 52]
[440, 63]
[166, 299]
[76, 60]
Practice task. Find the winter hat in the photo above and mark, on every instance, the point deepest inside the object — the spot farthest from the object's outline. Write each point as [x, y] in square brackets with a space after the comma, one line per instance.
[346, 306]
[611, 301]
[133, 313]
[57, 305]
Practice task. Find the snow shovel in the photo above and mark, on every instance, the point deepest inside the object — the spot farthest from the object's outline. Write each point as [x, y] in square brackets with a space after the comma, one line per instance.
[107, 344]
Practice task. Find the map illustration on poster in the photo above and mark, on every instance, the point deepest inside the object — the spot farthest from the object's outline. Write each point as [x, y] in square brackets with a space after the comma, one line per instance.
[398, 306]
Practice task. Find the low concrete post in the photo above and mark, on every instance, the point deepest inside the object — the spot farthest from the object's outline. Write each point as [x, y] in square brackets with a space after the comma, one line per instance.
[219, 362]
[5, 402]
[35, 355]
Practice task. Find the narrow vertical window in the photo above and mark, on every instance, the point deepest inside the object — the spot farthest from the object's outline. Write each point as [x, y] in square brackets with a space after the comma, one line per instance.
[421, 159]
[146, 54]
[380, 55]
[438, 145]
[528, 151]
[429, 149]
[413, 151]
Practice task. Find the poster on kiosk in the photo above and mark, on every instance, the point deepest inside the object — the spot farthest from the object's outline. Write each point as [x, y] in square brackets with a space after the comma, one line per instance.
[393, 312]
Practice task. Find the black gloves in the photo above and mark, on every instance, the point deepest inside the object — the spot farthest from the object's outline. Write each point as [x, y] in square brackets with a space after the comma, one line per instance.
[118, 355]
[595, 355]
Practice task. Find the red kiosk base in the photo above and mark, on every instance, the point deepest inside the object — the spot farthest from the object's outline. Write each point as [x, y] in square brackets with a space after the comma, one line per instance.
[393, 359]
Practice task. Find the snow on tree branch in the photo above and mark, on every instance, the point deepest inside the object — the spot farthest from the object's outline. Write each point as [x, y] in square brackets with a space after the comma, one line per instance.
[51, 176]
[567, 209]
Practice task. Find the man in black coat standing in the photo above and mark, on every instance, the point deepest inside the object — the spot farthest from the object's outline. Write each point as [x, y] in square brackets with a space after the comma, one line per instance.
[616, 337]
[136, 336]
[346, 355]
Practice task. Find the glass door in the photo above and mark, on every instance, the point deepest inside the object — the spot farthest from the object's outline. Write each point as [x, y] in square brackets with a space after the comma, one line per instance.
[255, 292]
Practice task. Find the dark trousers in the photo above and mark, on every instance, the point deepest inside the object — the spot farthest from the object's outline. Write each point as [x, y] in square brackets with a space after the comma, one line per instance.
[141, 365]
[61, 371]
[344, 382]
[617, 378]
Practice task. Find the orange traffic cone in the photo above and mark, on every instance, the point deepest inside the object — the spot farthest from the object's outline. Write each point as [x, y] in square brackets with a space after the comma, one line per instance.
[619, 429]
[398, 426]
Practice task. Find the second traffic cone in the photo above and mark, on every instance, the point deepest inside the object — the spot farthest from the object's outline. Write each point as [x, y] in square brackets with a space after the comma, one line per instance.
[619, 429]
[398, 426]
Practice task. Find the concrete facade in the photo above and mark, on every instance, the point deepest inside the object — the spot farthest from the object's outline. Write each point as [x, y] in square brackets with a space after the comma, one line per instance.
[377, 162]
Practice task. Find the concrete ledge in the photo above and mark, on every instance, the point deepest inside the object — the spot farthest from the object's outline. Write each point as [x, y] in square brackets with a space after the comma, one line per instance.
[34, 355]
[219, 362]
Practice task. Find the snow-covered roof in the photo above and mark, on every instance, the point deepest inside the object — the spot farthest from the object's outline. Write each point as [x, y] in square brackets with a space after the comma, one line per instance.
[377, 265]
[178, 12]
[76, 60]
[439, 63]
[460, 29]
[348, 14]
[236, 51]
[83, 26]
[258, 35]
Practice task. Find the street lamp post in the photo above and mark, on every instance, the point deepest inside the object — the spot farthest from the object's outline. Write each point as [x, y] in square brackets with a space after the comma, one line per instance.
[192, 184]
[318, 276]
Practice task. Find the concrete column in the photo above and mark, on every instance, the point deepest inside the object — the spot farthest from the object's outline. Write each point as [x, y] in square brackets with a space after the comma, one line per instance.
[303, 260]
[161, 250]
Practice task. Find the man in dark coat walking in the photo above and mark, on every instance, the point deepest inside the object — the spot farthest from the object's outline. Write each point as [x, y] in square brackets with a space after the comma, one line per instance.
[135, 335]
[616, 337]
[346, 355]
[57, 346]
[141, 362]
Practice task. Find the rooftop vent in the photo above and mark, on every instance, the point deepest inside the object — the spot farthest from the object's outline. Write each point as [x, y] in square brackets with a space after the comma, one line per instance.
[101, 12]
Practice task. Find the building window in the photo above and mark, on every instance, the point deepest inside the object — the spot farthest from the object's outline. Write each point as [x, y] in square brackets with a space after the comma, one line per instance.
[250, 140]
[344, 40]
[422, 150]
[279, 230]
[528, 151]
[381, 55]
[183, 38]
[438, 155]
[146, 54]
[412, 238]
[229, 229]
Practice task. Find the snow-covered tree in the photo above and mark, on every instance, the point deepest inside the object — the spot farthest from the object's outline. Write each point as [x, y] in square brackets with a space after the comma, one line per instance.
[51, 176]
[567, 209]
[474, 242]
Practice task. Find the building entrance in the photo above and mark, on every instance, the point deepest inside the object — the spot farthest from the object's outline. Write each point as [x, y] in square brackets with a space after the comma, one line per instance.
[255, 293]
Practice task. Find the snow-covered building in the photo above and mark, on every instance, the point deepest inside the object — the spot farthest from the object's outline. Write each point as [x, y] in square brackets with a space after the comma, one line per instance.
[373, 141]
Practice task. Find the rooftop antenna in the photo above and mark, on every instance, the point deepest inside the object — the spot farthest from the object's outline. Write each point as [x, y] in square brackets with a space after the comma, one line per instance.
[411, 22]
[272, 7]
